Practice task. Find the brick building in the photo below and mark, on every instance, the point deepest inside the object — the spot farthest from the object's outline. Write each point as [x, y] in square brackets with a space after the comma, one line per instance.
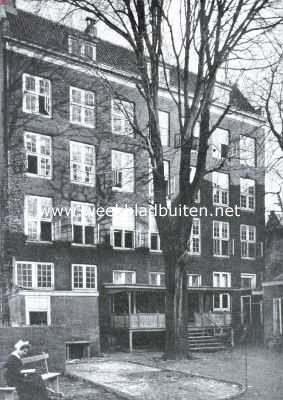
[68, 99]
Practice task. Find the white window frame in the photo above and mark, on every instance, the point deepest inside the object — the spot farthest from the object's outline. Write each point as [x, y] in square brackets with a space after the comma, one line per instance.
[191, 277]
[36, 220]
[246, 157]
[195, 236]
[164, 130]
[251, 278]
[85, 169]
[222, 277]
[250, 230]
[124, 111]
[82, 46]
[221, 238]
[158, 278]
[84, 221]
[35, 307]
[219, 138]
[192, 175]
[83, 106]
[221, 308]
[158, 241]
[247, 191]
[123, 273]
[35, 274]
[84, 276]
[220, 192]
[37, 153]
[123, 177]
[35, 94]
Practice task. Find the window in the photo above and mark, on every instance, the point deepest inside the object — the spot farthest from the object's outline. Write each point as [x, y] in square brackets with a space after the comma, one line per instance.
[82, 48]
[154, 239]
[123, 228]
[157, 278]
[221, 239]
[222, 279]
[247, 188]
[164, 127]
[82, 107]
[247, 151]
[195, 237]
[38, 310]
[36, 95]
[122, 117]
[220, 184]
[84, 277]
[221, 302]
[82, 160]
[192, 175]
[83, 223]
[220, 143]
[38, 218]
[122, 171]
[194, 280]
[38, 154]
[248, 241]
[248, 281]
[124, 277]
[33, 275]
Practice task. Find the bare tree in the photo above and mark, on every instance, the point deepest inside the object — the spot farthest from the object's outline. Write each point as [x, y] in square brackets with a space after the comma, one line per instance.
[212, 32]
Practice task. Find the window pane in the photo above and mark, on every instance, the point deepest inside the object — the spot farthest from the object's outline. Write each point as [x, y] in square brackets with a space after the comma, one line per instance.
[90, 277]
[117, 238]
[129, 239]
[24, 275]
[78, 234]
[78, 276]
[38, 318]
[44, 276]
[154, 241]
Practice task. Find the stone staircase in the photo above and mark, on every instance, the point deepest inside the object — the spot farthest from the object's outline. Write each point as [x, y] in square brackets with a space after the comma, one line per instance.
[202, 339]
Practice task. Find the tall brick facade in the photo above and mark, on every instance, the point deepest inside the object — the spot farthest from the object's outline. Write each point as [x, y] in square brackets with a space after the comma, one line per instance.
[57, 282]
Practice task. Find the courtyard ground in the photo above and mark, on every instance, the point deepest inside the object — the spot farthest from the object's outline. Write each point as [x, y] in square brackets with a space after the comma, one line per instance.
[259, 368]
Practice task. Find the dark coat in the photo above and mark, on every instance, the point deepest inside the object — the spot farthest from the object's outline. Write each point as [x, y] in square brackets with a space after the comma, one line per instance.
[28, 387]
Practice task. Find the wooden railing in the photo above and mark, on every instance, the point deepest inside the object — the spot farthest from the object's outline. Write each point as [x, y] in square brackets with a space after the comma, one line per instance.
[138, 321]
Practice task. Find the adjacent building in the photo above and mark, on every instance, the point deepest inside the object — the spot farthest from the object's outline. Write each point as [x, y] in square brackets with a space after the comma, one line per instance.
[68, 144]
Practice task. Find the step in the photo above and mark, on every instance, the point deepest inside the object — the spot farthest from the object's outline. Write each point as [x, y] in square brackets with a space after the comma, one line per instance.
[203, 341]
[206, 344]
[208, 349]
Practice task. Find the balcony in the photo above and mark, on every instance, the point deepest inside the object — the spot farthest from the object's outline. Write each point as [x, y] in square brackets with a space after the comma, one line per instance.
[139, 321]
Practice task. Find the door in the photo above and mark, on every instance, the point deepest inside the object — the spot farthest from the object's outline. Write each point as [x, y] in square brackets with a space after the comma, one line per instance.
[193, 306]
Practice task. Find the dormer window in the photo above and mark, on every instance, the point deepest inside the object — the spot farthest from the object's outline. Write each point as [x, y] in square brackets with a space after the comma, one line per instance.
[82, 48]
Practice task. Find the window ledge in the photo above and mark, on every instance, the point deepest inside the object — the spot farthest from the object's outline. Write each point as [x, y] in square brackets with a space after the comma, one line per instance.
[248, 258]
[44, 242]
[38, 114]
[83, 184]
[83, 125]
[250, 210]
[124, 248]
[31, 175]
[83, 245]
[220, 256]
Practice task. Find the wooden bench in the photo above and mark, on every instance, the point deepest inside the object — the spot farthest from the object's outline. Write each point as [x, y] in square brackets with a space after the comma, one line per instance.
[51, 378]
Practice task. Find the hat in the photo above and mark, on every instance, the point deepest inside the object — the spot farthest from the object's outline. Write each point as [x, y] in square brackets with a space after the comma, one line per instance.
[21, 344]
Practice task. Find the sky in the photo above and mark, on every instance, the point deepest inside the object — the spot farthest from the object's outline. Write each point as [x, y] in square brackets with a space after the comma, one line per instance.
[77, 20]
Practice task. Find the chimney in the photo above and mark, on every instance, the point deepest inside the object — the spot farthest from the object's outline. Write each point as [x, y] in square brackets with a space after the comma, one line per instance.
[91, 28]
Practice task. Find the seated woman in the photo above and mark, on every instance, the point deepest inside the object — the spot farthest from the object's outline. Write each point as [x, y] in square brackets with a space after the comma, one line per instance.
[29, 386]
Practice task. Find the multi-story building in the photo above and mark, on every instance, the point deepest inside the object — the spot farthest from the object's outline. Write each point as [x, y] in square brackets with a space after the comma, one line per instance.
[68, 99]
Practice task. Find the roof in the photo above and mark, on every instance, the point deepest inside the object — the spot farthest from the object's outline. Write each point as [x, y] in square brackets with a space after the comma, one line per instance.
[49, 34]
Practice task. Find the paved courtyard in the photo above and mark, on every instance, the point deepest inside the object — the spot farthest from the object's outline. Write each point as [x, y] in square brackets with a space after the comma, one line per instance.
[261, 369]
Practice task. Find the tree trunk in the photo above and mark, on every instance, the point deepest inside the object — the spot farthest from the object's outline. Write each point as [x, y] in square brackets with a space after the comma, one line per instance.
[176, 346]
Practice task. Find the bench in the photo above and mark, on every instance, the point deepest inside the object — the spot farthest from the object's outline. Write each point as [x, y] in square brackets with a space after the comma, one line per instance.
[51, 378]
